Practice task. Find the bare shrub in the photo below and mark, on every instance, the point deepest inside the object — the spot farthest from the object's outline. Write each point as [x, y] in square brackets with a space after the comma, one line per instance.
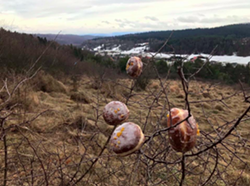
[69, 145]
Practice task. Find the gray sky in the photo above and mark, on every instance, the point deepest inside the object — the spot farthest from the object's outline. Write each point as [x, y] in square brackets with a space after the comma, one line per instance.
[107, 16]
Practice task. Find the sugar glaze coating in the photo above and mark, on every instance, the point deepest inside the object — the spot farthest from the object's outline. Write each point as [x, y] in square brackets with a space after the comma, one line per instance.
[182, 137]
[126, 139]
[115, 112]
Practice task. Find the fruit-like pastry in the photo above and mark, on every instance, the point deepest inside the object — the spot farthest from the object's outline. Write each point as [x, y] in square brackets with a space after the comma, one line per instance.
[134, 67]
[126, 139]
[115, 112]
[182, 137]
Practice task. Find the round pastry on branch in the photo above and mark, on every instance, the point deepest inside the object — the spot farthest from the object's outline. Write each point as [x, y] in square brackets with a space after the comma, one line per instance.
[134, 67]
[115, 112]
[126, 139]
[182, 137]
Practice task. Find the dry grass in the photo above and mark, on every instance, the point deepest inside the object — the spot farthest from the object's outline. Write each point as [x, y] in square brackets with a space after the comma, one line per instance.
[74, 128]
[46, 83]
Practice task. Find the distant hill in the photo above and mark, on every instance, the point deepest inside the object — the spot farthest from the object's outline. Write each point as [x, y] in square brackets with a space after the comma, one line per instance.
[113, 34]
[230, 39]
[67, 39]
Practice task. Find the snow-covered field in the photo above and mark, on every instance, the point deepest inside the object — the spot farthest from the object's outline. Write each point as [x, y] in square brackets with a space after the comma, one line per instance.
[140, 50]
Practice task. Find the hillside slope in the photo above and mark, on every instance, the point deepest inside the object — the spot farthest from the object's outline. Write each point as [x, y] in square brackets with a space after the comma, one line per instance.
[19, 51]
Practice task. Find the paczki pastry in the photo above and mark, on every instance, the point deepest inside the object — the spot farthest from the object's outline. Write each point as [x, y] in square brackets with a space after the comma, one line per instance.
[134, 67]
[126, 139]
[182, 137]
[115, 112]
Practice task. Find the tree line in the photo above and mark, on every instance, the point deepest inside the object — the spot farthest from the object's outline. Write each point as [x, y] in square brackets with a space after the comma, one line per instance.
[230, 39]
[228, 73]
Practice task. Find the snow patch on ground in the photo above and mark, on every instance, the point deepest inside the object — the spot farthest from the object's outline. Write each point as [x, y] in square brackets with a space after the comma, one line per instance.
[143, 47]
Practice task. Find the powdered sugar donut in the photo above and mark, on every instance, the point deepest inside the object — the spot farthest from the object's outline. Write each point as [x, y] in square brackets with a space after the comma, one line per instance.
[134, 66]
[126, 139]
[182, 137]
[115, 112]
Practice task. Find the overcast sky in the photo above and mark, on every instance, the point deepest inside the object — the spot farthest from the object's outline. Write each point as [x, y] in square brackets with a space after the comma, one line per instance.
[107, 16]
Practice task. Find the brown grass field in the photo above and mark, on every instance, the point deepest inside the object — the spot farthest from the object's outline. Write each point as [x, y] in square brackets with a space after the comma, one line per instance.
[56, 135]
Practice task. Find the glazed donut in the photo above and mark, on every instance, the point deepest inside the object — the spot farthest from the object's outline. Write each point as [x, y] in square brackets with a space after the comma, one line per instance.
[134, 67]
[182, 137]
[115, 112]
[126, 139]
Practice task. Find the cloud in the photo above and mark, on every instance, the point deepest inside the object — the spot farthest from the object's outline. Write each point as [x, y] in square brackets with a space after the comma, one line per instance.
[126, 23]
[47, 12]
[227, 19]
[77, 16]
[189, 19]
[31, 9]
[118, 20]
[106, 22]
[111, 2]
[45, 8]
[222, 7]
[152, 18]
[213, 19]
[140, 24]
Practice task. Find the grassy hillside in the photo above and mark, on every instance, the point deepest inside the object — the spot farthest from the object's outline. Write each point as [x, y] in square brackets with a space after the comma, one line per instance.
[70, 133]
